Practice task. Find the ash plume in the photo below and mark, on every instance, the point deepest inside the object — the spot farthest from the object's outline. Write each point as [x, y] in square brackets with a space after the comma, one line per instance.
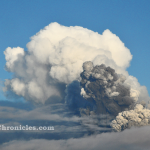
[102, 85]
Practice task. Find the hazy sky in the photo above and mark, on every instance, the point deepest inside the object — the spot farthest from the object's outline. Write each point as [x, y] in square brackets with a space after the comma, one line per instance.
[129, 20]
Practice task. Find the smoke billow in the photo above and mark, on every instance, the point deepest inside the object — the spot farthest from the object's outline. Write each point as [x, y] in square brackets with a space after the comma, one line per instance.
[102, 85]
[50, 70]
[139, 116]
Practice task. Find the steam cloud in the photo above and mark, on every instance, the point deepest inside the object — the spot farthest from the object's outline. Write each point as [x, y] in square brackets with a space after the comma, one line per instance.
[54, 61]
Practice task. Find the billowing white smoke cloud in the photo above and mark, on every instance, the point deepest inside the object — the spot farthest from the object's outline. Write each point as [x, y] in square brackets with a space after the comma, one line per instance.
[56, 54]
[139, 116]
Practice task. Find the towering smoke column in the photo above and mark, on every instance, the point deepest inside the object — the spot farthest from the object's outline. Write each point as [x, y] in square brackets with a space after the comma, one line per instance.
[102, 85]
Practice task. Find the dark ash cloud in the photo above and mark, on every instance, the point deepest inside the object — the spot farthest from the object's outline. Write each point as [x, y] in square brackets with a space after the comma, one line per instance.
[102, 85]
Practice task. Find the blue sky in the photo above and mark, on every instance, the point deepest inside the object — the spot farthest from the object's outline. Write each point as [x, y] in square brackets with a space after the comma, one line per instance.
[19, 20]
